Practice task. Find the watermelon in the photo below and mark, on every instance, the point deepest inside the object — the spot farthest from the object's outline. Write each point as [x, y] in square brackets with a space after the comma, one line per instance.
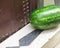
[46, 17]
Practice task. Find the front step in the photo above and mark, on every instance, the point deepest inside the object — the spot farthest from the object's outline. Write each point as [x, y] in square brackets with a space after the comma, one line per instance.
[39, 40]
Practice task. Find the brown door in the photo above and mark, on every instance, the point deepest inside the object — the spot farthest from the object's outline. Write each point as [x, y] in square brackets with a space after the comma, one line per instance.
[14, 14]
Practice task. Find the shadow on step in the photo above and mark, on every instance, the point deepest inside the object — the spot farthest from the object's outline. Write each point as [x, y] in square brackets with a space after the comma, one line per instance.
[12, 47]
[27, 40]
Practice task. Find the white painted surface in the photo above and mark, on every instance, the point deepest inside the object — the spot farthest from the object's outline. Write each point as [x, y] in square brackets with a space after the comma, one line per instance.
[54, 41]
[49, 2]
